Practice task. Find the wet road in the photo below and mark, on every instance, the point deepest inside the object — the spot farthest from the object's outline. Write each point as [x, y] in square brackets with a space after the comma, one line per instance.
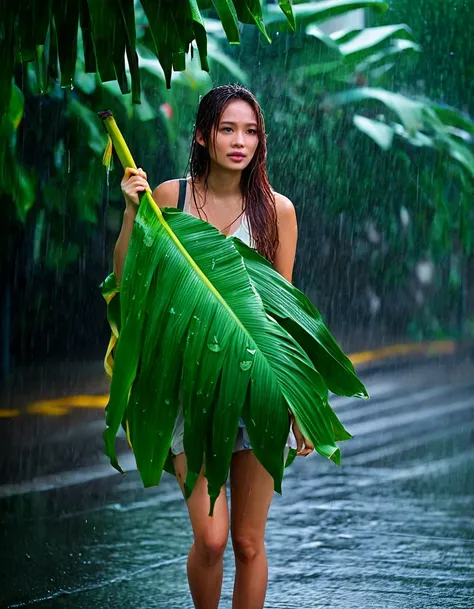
[391, 528]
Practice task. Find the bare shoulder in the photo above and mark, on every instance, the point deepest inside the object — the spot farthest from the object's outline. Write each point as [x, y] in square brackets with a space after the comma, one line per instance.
[284, 207]
[166, 194]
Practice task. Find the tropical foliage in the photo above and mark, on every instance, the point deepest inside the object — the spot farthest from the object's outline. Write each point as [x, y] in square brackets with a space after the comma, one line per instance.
[378, 208]
[49, 31]
[445, 30]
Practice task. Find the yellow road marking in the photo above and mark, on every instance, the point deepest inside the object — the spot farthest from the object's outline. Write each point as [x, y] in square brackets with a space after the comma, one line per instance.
[63, 406]
[47, 409]
[430, 348]
[8, 412]
[76, 401]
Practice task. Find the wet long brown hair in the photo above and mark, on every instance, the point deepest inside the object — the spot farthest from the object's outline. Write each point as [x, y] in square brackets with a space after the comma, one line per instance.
[258, 198]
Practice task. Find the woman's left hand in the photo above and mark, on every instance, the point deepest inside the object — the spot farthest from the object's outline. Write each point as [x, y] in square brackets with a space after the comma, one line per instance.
[303, 446]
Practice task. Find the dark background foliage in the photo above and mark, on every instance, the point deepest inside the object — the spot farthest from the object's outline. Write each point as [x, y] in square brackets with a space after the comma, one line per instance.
[383, 248]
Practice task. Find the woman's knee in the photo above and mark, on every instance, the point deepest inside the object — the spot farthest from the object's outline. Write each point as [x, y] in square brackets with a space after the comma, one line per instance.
[210, 549]
[247, 547]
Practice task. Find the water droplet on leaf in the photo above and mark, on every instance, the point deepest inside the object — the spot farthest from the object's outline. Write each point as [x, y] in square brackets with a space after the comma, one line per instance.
[214, 346]
[246, 365]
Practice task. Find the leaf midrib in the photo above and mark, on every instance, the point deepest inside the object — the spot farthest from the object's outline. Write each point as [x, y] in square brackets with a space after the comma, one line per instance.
[214, 290]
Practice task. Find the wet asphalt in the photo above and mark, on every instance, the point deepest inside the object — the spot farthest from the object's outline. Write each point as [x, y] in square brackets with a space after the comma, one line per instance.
[392, 527]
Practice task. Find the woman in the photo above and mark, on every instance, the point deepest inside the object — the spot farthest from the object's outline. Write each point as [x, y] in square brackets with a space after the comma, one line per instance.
[228, 187]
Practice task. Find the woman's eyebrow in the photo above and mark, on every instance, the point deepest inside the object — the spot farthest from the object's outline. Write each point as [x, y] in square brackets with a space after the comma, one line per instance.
[232, 123]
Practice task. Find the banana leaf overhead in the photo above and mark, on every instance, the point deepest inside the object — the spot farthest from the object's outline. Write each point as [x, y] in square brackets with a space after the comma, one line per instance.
[52, 33]
[203, 321]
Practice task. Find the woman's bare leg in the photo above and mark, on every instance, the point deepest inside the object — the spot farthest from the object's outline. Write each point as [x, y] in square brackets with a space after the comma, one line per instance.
[251, 495]
[205, 560]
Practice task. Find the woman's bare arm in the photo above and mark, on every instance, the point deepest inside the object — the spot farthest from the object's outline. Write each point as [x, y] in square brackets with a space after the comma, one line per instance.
[121, 247]
[164, 195]
[133, 182]
[287, 236]
[284, 263]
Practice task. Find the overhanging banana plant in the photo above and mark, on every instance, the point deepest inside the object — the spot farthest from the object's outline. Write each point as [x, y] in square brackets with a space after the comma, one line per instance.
[204, 322]
[47, 31]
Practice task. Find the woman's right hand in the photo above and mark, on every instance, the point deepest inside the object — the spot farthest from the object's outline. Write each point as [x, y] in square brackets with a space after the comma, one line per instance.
[133, 182]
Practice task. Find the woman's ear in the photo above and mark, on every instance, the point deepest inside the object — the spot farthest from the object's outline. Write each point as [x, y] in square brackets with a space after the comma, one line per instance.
[200, 139]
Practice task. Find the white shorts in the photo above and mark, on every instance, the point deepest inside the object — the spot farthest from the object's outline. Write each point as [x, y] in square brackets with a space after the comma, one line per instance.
[242, 441]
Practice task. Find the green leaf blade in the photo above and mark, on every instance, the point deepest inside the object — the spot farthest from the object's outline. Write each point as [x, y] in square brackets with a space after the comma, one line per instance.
[299, 317]
[228, 16]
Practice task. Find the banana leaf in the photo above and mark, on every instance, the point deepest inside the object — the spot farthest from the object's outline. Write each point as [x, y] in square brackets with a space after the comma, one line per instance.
[195, 333]
[301, 319]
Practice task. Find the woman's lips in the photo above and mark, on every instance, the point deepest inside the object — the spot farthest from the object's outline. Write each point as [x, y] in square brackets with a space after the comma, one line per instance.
[236, 157]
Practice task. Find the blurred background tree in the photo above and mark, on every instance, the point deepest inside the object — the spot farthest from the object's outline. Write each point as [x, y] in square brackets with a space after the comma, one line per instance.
[382, 182]
[445, 32]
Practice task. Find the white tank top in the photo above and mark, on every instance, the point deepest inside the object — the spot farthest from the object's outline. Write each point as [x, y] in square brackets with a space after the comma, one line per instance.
[242, 232]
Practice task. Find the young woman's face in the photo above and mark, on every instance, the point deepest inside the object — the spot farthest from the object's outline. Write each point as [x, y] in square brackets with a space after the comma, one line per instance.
[236, 137]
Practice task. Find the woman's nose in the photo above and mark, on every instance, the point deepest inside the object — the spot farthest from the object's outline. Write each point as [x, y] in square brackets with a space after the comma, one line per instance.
[238, 138]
